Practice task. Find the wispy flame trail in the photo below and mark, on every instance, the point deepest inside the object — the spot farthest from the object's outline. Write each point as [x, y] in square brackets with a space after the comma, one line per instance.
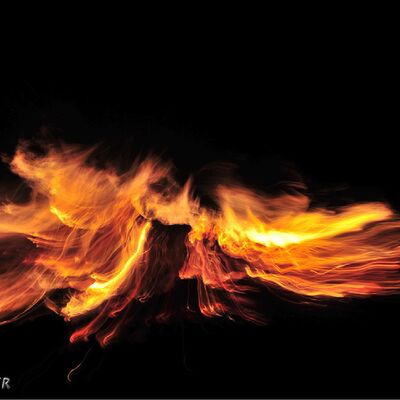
[94, 233]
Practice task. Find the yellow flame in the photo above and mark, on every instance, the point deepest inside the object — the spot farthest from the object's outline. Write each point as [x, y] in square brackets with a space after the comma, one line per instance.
[91, 230]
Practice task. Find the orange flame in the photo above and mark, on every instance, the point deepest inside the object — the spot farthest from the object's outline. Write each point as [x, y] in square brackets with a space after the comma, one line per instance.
[93, 232]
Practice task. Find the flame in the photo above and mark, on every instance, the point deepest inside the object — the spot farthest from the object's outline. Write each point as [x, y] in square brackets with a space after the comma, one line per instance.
[92, 233]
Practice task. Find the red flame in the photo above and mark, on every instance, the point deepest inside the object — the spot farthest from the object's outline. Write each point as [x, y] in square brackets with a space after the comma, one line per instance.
[94, 234]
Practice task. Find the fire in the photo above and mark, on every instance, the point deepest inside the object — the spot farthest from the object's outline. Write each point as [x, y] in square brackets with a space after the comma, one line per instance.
[91, 232]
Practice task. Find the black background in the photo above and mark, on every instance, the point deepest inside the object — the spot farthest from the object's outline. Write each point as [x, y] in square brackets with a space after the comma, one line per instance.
[322, 101]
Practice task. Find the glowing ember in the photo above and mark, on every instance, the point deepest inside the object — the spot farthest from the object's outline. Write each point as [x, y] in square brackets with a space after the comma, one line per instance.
[94, 231]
